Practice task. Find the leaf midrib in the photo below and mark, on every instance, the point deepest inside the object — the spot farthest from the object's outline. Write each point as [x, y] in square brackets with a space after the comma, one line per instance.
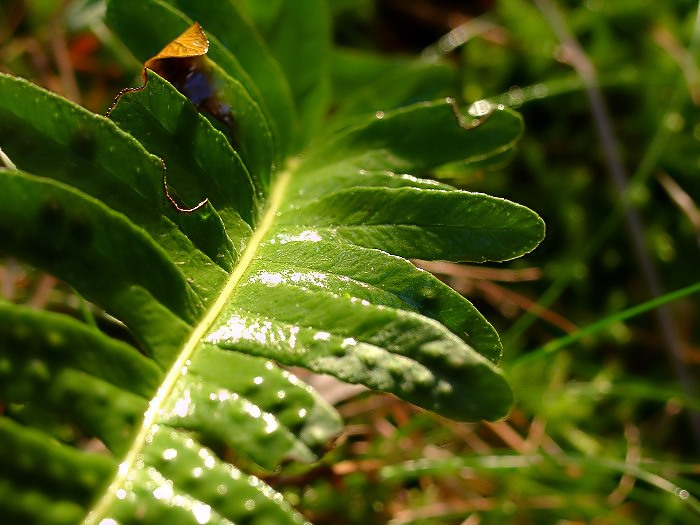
[277, 194]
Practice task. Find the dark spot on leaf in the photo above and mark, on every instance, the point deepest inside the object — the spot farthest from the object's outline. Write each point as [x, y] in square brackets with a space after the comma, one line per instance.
[295, 426]
[245, 520]
[52, 214]
[84, 143]
[6, 127]
[80, 230]
[7, 234]
[428, 301]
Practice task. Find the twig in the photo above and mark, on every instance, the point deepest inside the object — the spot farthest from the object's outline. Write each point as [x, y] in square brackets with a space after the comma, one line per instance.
[40, 297]
[9, 276]
[682, 200]
[634, 455]
[462, 34]
[480, 272]
[683, 57]
[501, 294]
[578, 59]
[5, 161]
[63, 62]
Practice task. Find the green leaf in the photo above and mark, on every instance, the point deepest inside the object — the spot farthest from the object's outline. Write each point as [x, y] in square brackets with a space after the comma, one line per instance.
[420, 223]
[365, 83]
[106, 257]
[200, 161]
[252, 129]
[75, 367]
[298, 35]
[378, 278]
[416, 138]
[43, 480]
[286, 261]
[89, 153]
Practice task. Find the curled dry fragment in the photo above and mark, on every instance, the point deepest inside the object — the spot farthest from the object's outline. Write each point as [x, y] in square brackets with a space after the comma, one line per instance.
[181, 62]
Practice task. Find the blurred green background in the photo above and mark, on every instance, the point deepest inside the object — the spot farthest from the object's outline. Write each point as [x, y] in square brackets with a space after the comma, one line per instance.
[606, 428]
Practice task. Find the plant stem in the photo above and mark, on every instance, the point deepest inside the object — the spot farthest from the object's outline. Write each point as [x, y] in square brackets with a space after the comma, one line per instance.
[601, 325]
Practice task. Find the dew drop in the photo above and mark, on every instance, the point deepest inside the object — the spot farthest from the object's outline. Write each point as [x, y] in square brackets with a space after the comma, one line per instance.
[696, 132]
[540, 90]
[322, 336]
[249, 505]
[516, 96]
[379, 115]
[163, 492]
[444, 388]
[682, 493]
[202, 512]
[169, 454]
[480, 108]
[349, 341]
[674, 121]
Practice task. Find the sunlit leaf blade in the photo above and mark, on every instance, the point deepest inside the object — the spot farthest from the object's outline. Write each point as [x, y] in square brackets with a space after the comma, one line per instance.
[419, 223]
[334, 179]
[177, 480]
[379, 278]
[282, 417]
[297, 406]
[387, 349]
